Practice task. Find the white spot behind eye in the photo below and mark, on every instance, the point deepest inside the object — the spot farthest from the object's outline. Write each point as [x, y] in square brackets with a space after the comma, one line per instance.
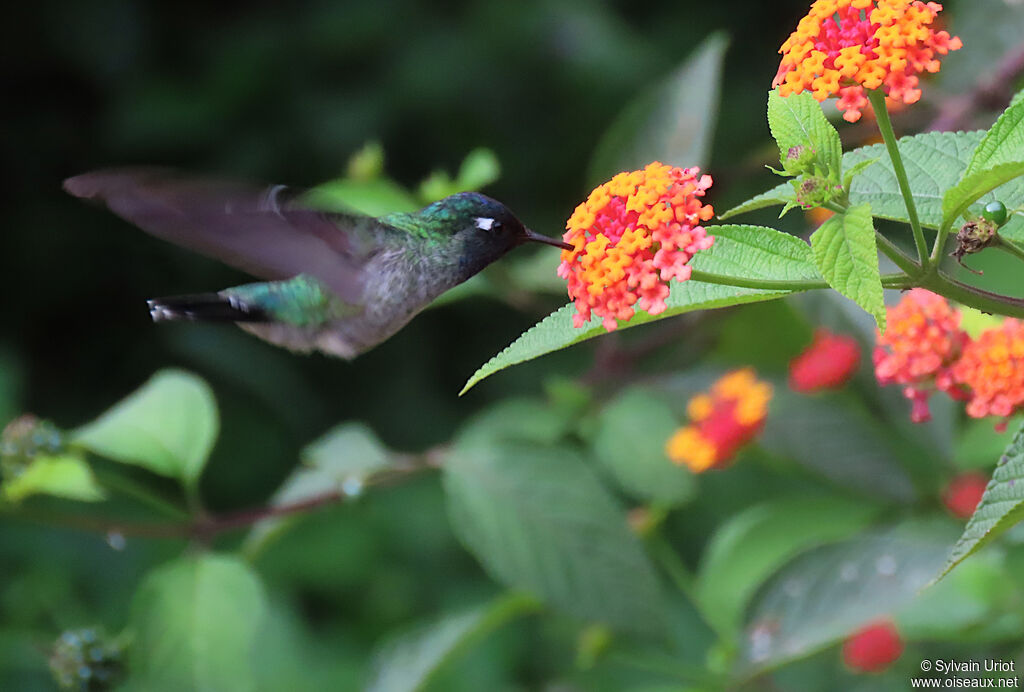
[484, 223]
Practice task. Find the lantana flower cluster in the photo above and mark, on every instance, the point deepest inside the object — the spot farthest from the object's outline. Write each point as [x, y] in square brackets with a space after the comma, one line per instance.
[842, 47]
[828, 363]
[722, 420]
[924, 349]
[630, 237]
[921, 342]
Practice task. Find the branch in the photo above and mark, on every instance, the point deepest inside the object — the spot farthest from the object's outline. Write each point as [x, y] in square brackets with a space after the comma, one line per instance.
[207, 526]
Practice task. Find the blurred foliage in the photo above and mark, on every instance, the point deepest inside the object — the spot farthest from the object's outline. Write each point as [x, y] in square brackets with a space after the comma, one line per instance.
[403, 585]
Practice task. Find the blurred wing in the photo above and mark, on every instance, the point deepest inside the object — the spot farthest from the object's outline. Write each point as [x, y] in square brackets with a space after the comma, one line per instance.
[246, 227]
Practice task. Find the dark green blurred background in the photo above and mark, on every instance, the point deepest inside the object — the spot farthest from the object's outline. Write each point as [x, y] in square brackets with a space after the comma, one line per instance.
[261, 91]
[286, 94]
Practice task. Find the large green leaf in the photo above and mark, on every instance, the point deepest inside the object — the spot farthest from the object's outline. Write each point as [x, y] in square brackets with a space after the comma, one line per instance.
[630, 444]
[1001, 507]
[846, 254]
[65, 475]
[408, 662]
[739, 252]
[556, 331]
[934, 162]
[826, 593]
[168, 426]
[797, 122]
[834, 437]
[539, 520]
[672, 123]
[754, 543]
[194, 622]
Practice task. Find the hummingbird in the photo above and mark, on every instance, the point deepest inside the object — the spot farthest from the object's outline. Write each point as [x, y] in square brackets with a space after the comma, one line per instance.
[334, 282]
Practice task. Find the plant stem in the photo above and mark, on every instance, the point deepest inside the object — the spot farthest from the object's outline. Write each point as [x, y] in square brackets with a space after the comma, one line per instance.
[977, 298]
[889, 281]
[877, 99]
[673, 566]
[130, 488]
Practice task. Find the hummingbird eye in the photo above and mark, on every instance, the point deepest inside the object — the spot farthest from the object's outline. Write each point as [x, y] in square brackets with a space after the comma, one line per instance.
[486, 223]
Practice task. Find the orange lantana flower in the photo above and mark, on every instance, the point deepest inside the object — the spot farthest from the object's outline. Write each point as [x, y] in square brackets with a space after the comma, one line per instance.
[991, 370]
[721, 421]
[632, 235]
[843, 47]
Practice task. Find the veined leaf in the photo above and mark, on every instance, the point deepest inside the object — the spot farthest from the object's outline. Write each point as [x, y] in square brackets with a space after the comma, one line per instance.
[539, 520]
[754, 543]
[169, 426]
[739, 251]
[796, 121]
[934, 162]
[408, 662]
[974, 186]
[1001, 507]
[846, 253]
[194, 622]
[556, 331]
[828, 592]
[1003, 143]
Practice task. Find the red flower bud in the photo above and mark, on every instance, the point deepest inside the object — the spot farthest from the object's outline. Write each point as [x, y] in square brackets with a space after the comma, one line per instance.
[873, 648]
[828, 363]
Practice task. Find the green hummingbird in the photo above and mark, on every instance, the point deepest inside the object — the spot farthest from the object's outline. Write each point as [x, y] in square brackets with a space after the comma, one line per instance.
[335, 282]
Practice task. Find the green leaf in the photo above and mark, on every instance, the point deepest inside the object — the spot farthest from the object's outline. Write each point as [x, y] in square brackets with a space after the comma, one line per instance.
[341, 461]
[538, 520]
[751, 545]
[194, 622]
[64, 475]
[834, 437]
[797, 121]
[845, 251]
[739, 251]
[855, 170]
[1003, 142]
[934, 162]
[973, 187]
[630, 444]
[408, 662]
[780, 194]
[556, 331]
[756, 252]
[168, 426]
[479, 169]
[973, 599]
[374, 197]
[826, 593]
[672, 122]
[1001, 507]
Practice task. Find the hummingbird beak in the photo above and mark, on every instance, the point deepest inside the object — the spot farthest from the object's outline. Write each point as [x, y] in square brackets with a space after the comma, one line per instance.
[534, 237]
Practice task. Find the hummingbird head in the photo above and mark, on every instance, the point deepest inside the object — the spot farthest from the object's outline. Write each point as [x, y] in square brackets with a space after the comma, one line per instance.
[484, 229]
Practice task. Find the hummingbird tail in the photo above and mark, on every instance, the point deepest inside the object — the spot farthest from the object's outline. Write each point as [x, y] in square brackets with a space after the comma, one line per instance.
[205, 307]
